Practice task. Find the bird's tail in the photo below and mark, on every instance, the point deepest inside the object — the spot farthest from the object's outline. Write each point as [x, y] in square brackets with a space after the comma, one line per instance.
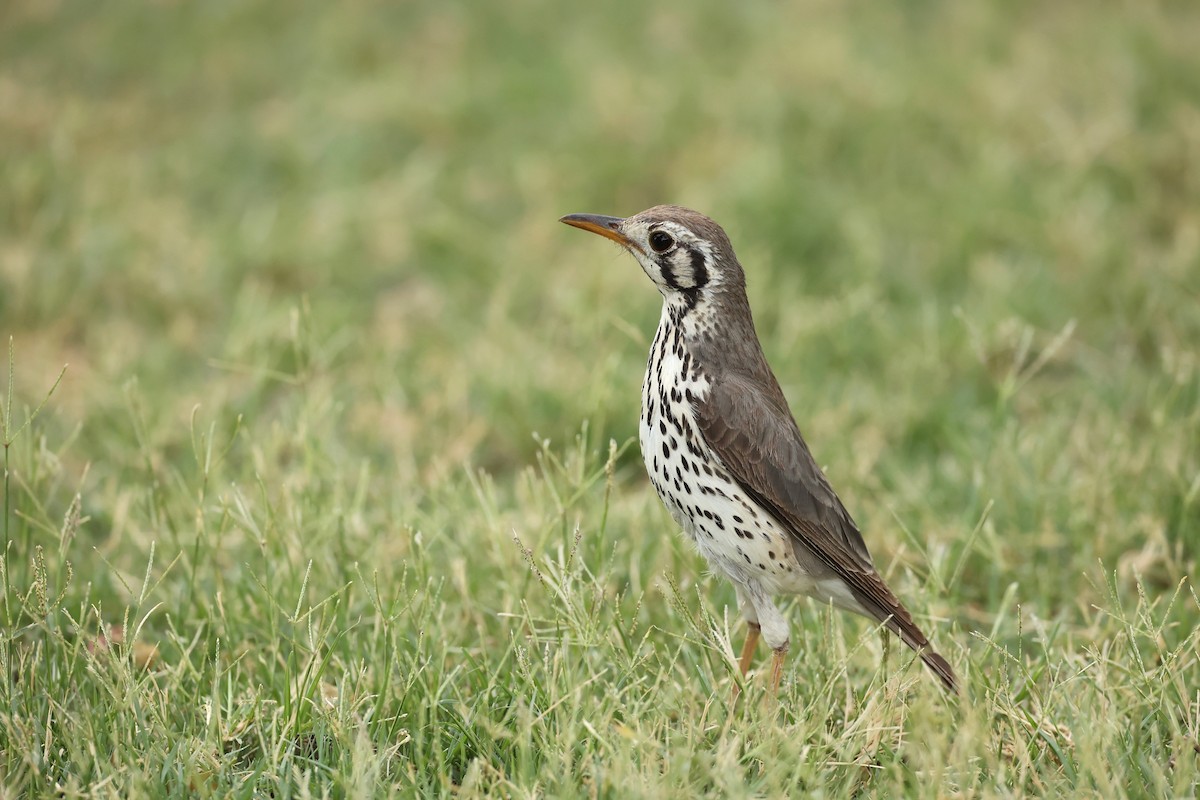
[876, 600]
[941, 667]
[911, 635]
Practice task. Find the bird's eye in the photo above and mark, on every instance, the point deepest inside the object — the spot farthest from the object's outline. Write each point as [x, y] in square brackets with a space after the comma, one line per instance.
[661, 242]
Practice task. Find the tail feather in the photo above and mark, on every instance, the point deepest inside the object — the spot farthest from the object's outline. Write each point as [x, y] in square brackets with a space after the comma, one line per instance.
[911, 635]
[876, 600]
[941, 667]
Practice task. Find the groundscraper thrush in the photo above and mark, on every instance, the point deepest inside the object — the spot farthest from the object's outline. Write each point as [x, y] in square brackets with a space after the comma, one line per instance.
[724, 452]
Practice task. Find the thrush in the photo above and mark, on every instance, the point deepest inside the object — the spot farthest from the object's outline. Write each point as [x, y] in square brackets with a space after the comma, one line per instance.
[724, 452]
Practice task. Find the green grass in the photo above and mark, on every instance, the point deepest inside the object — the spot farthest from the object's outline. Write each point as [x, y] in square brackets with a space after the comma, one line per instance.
[338, 494]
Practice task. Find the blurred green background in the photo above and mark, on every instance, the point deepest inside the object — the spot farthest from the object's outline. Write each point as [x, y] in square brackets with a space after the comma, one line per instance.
[319, 241]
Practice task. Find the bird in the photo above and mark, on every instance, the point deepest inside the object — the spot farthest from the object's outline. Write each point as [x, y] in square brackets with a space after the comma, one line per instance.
[723, 450]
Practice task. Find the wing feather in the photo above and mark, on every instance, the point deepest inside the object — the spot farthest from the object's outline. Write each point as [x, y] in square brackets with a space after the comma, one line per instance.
[751, 430]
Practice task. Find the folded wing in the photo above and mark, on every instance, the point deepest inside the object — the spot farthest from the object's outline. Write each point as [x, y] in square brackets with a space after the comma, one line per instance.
[751, 430]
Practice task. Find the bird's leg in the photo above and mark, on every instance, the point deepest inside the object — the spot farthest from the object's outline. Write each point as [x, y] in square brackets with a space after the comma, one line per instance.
[771, 624]
[750, 614]
[777, 660]
[752, 631]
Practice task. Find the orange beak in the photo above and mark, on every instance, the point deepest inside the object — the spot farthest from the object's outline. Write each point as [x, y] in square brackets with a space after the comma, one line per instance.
[608, 227]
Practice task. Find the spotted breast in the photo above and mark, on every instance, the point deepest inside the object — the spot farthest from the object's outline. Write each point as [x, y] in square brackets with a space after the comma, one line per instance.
[738, 539]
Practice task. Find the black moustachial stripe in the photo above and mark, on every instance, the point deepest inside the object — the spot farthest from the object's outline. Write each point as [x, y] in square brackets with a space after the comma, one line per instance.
[699, 268]
[664, 266]
[691, 294]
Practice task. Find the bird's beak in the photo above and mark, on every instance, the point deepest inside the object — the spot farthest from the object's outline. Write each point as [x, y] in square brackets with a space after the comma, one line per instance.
[608, 227]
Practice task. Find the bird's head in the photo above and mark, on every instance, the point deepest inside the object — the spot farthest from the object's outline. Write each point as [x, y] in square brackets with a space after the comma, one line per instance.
[686, 254]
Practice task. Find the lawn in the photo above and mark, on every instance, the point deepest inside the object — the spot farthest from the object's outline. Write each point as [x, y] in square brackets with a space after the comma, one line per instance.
[339, 493]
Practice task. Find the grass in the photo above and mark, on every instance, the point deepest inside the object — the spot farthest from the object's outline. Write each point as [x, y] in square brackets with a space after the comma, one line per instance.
[338, 495]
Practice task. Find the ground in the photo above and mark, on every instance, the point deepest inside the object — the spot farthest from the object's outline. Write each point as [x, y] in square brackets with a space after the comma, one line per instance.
[339, 493]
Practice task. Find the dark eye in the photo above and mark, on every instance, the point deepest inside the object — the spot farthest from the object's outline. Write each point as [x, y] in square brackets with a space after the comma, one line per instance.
[661, 242]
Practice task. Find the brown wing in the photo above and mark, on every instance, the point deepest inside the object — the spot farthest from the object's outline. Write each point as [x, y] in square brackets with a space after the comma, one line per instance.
[751, 430]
